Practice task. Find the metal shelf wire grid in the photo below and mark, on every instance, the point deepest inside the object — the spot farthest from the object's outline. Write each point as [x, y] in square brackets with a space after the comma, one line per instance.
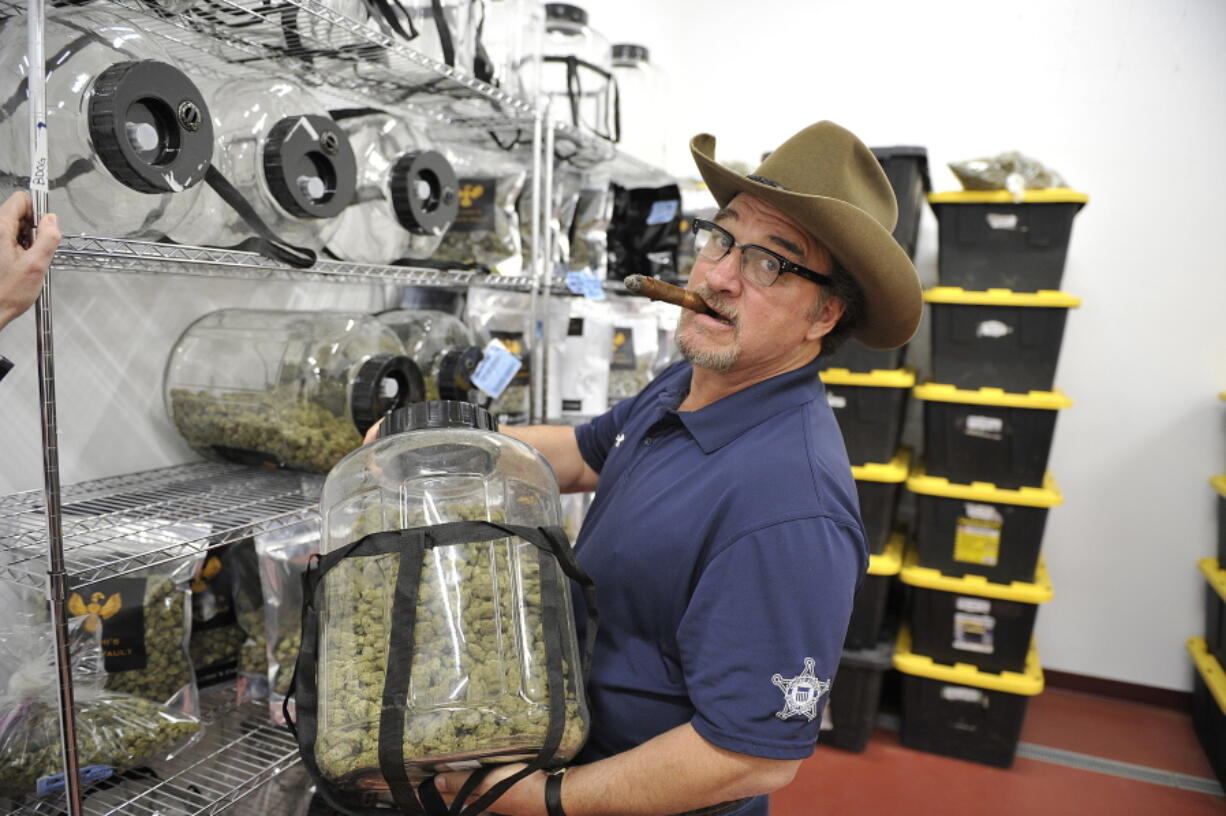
[127, 523]
[240, 751]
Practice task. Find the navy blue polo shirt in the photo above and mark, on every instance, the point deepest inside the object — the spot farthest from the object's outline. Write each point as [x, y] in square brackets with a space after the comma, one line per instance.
[726, 547]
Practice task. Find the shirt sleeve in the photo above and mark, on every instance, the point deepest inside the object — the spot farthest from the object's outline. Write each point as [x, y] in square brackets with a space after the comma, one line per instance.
[763, 633]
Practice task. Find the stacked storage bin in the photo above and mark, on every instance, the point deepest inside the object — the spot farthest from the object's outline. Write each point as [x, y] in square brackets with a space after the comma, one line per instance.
[1209, 653]
[868, 391]
[975, 573]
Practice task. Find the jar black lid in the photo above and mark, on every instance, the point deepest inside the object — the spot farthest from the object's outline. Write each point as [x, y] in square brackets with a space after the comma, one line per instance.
[423, 187]
[565, 11]
[150, 126]
[369, 397]
[630, 51]
[455, 371]
[438, 414]
[310, 167]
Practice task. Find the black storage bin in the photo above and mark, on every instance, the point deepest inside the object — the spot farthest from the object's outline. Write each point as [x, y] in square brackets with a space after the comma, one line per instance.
[1219, 484]
[979, 528]
[973, 621]
[998, 338]
[962, 712]
[989, 435]
[877, 488]
[852, 708]
[855, 356]
[1215, 607]
[870, 410]
[868, 611]
[1209, 706]
[907, 169]
[986, 241]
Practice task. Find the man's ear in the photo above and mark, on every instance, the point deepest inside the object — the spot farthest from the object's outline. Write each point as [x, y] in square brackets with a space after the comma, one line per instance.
[830, 313]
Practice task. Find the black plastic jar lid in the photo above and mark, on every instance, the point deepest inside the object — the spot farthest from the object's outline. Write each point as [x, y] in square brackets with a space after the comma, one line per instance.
[565, 11]
[438, 414]
[383, 384]
[150, 126]
[455, 371]
[310, 167]
[630, 51]
[423, 187]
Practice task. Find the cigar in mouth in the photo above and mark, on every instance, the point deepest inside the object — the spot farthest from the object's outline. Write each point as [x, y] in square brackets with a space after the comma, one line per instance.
[659, 290]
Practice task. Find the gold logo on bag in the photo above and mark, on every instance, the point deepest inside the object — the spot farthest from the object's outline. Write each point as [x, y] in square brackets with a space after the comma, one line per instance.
[211, 567]
[470, 193]
[99, 608]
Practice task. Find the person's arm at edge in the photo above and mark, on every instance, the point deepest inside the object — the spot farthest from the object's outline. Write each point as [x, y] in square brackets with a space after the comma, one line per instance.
[674, 772]
[22, 270]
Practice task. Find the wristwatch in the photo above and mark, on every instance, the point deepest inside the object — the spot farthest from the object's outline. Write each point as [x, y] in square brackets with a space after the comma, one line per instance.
[553, 792]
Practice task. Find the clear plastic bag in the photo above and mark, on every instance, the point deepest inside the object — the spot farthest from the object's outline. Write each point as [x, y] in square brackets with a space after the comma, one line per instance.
[589, 235]
[486, 229]
[495, 314]
[243, 569]
[284, 555]
[1010, 171]
[567, 185]
[114, 731]
[216, 637]
[636, 345]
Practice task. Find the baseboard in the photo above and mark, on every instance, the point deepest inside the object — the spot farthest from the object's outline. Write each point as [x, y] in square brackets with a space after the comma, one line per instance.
[1116, 689]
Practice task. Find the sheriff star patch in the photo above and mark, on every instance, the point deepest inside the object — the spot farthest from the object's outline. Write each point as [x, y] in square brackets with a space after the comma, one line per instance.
[801, 693]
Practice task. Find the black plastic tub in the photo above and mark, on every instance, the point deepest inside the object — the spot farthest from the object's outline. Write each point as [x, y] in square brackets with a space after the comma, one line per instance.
[1219, 484]
[1209, 706]
[868, 611]
[1215, 607]
[907, 169]
[870, 409]
[852, 708]
[877, 488]
[854, 356]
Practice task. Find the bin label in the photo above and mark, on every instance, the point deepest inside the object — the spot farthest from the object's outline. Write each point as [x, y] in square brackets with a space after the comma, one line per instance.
[961, 694]
[979, 606]
[994, 329]
[1002, 221]
[836, 401]
[973, 633]
[985, 427]
[977, 541]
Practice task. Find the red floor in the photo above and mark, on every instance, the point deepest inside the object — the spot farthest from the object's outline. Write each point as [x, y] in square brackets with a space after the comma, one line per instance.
[888, 778]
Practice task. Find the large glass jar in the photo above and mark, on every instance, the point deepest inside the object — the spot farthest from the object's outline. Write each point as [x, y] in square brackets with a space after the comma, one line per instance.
[279, 148]
[512, 35]
[478, 689]
[293, 389]
[444, 348]
[643, 103]
[129, 137]
[577, 70]
[406, 194]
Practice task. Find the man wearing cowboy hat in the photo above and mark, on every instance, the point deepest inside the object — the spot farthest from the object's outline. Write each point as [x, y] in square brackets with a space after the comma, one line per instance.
[725, 540]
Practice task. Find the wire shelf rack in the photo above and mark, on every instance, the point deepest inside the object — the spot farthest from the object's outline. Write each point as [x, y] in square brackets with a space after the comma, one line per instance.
[240, 751]
[123, 524]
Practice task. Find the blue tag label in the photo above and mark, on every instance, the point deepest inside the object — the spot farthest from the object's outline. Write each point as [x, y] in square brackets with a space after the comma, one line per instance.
[662, 212]
[496, 370]
[586, 284]
[88, 775]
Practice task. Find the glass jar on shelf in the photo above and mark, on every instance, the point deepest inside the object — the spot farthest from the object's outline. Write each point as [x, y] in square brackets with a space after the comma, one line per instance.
[643, 104]
[576, 71]
[511, 36]
[443, 347]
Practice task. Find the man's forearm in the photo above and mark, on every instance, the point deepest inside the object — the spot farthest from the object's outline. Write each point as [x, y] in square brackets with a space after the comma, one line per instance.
[558, 445]
[677, 771]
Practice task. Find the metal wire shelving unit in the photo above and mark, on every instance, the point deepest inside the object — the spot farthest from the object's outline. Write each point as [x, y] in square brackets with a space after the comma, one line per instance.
[61, 539]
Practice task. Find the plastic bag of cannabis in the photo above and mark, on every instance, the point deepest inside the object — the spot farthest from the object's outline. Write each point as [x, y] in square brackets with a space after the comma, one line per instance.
[485, 231]
[1010, 171]
[495, 314]
[284, 555]
[580, 352]
[216, 637]
[589, 232]
[114, 731]
[242, 566]
[567, 186]
[644, 233]
[636, 345]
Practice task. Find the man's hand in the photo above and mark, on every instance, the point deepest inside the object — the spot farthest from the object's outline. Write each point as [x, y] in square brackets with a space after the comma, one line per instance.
[372, 433]
[22, 265]
[525, 798]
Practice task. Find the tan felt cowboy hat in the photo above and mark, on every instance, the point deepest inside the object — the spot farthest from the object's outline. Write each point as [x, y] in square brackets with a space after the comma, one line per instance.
[832, 185]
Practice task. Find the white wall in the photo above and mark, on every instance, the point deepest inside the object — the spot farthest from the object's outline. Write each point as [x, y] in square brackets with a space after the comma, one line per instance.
[1128, 100]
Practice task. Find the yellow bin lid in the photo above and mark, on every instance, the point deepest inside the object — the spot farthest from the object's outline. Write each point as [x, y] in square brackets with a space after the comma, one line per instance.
[1028, 682]
[895, 470]
[1218, 482]
[1049, 195]
[1210, 670]
[1046, 496]
[1044, 298]
[895, 378]
[889, 560]
[1038, 592]
[1215, 575]
[1041, 400]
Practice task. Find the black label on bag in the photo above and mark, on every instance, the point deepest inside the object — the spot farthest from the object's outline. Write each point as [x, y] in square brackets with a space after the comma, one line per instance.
[623, 349]
[477, 205]
[117, 605]
[575, 329]
[572, 405]
[514, 342]
[212, 604]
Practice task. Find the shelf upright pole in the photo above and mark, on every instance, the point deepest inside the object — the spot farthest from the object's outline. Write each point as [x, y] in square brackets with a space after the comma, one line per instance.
[57, 577]
[535, 404]
[547, 275]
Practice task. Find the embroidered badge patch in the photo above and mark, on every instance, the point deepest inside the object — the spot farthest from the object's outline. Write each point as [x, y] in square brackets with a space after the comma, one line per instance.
[802, 693]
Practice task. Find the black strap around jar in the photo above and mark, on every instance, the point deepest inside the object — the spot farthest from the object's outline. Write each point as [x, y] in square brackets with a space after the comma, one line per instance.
[265, 241]
[410, 545]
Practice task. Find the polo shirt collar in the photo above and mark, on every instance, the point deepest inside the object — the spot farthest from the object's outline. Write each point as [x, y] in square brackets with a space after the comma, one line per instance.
[724, 420]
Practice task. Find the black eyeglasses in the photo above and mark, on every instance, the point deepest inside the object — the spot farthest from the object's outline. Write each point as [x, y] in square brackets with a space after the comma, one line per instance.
[759, 265]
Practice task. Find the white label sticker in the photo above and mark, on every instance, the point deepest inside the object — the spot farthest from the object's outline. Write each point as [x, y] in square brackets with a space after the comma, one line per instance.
[973, 633]
[993, 329]
[985, 427]
[663, 211]
[961, 694]
[585, 283]
[977, 605]
[496, 369]
[982, 512]
[836, 401]
[1002, 221]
